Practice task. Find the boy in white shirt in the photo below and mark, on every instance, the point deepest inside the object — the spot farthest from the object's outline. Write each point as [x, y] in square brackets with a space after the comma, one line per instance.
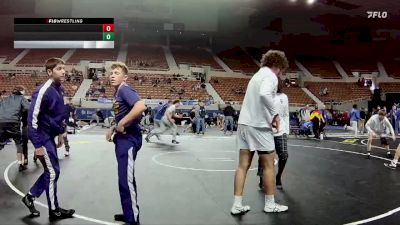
[377, 127]
[258, 116]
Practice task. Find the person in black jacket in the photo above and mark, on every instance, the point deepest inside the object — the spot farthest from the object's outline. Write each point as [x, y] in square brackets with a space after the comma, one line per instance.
[25, 137]
[229, 111]
[11, 110]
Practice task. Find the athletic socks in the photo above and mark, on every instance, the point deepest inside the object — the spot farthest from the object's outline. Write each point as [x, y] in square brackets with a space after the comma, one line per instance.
[238, 200]
[269, 199]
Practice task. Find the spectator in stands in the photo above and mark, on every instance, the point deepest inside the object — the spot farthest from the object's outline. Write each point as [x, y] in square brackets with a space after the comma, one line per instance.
[354, 118]
[360, 82]
[229, 111]
[361, 124]
[392, 116]
[324, 92]
[200, 118]
[398, 120]
[98, 116]
[169, 81]
[318, 122]
[287, 82]
[11, 111]
[305, 113]
[374, 111]
[3, 94]
[102, 90]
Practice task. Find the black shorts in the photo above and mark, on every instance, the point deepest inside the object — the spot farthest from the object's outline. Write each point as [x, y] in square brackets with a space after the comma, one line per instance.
[384, 141]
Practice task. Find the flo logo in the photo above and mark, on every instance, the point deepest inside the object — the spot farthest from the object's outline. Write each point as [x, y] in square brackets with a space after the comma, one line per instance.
[377, 14]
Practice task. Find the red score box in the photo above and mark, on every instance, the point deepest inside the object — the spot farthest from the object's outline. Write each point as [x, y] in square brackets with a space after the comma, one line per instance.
[108, 27]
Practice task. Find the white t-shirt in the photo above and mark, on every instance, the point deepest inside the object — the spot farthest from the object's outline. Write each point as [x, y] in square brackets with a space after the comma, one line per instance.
[170, 109]
[258, 108]
[379, 127]
[282, 105]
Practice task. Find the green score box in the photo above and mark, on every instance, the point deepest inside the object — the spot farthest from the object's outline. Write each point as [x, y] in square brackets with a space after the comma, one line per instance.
[108, 36]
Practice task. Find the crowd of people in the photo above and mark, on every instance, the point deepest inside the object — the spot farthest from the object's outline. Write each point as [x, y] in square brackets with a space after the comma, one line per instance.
[97, 89]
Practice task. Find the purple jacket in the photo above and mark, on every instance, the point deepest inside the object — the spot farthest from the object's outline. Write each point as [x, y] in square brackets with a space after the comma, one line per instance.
[46, 117]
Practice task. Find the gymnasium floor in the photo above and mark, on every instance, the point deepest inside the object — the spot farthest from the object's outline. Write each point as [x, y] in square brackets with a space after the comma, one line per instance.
[325, 182]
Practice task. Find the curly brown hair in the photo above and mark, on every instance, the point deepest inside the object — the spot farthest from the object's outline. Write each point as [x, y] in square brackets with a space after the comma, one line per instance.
[275, 58]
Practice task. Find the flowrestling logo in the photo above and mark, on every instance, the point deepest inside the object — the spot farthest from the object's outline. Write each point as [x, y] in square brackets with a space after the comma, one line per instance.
[377, 14]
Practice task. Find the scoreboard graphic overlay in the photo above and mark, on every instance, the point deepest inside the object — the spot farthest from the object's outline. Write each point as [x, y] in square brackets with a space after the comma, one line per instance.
[94, 33]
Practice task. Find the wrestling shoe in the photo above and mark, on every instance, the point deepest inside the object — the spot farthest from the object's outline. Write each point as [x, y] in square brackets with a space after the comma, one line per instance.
[390, 165]
[240, 210]
[59, 214]
[28, 202]
[275, 208]
[119, 217]
[175, 142]
[22, 168]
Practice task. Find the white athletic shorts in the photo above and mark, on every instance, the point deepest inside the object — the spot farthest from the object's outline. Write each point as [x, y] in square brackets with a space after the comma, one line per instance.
[255, 139]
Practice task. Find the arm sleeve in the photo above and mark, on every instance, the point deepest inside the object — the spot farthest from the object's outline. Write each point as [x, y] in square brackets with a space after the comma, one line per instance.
[25, 104]
[368, 126]
[267, 93]
[38, 103]
[287, 114]
[129, 96]
[389, 125]
[358, 116]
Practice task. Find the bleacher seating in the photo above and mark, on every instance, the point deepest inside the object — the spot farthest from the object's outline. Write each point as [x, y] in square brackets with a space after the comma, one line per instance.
[162, 90]
[9, 53]
[226, 88]
[238, 60]
[31, 83]
[93, 55]
[296, 95]
[321, 68]
[392, 68]
[37, 57]
[152, 55]
[195, 57]
[361, 66]
[338, 92]
[390, 87]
